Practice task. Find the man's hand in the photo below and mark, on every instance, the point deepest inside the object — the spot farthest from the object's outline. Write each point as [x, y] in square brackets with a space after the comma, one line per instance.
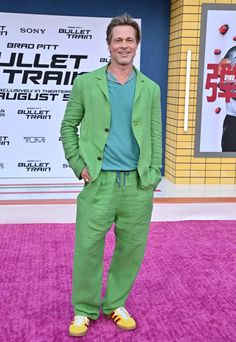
[85, 175]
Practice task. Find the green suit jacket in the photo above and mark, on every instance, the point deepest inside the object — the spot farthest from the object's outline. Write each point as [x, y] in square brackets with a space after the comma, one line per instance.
[89, 107]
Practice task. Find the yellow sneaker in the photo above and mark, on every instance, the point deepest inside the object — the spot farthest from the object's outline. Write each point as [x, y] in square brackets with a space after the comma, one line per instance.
[122, 319]
[79, 326]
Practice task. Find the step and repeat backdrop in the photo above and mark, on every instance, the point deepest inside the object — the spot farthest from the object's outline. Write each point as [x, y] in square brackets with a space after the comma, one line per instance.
[40, 55]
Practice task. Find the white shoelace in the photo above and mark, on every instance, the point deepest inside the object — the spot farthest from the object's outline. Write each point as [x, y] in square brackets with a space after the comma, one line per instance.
[123, 313]
[79, 320]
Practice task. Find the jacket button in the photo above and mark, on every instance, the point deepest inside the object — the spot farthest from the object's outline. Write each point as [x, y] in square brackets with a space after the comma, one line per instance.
[106, 129]
[99, 158]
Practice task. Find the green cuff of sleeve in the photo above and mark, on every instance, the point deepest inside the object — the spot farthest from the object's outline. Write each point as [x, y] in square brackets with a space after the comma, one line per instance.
[77, 165]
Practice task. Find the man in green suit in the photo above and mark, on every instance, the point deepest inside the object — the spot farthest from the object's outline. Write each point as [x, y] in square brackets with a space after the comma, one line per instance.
[118, 155]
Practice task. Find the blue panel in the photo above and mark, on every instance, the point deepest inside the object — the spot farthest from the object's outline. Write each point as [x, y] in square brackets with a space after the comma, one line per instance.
[155, 16]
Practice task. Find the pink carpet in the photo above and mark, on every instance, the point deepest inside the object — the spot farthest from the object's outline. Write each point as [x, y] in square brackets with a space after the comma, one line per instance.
[185, 291]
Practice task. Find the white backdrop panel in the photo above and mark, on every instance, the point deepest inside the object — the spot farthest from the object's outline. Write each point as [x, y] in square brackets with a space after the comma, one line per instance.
[40, 55]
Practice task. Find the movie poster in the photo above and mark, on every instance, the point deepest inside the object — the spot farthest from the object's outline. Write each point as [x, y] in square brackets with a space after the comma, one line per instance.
[216, 94]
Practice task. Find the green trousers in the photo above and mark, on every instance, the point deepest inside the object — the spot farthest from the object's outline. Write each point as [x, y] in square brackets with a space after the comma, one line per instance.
[114, 197]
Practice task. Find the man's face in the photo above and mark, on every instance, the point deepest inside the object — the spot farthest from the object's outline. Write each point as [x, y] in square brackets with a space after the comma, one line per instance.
[123, 45]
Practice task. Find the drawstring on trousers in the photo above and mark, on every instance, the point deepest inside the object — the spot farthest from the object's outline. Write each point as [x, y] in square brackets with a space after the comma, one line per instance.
[118, 177]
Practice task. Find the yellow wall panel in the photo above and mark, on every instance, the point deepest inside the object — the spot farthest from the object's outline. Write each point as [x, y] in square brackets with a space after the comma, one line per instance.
[191, 25]
[212, 180]
[210, 1]
[227, 180]
[184, 144]
[183, 173]
[170, 156]
[180, 130]
[197, 173]
[172, 129]
[182, 152]
[173, 93]
[198, 160]
[228, 160]
[170, 136]
[173, 56]
[181, 86]
[182, 180]
[176, 20]
[194, 49]
[197, 180]
[176, 34]
[191, 2]
[196, 167]
[191, 9]
[186, 138]
[213, 166]
[213, 160]
[225, 167]
[175, 27]
[175, 6]
[189, 41]
[182, 167]
[213, 173]
[176, 12]
[190, 17]
[190, 33]
[223, 2]
[182, 159]
[227, 174]
[170, 177]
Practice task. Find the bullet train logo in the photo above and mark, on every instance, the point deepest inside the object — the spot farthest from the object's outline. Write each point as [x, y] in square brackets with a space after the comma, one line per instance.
[59, 69]
[35, 114]
[3, 30]
[4, 141]
[35, 166]
[75, 32]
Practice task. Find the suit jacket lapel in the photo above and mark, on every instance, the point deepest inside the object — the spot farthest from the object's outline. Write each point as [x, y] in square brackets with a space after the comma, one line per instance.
[139, 86]
[102, 81]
